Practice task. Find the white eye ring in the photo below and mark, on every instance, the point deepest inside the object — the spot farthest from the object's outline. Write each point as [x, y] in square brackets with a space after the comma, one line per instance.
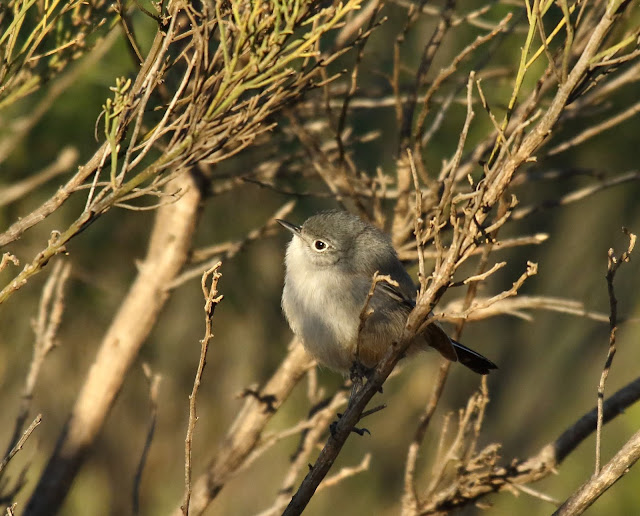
[320, 246]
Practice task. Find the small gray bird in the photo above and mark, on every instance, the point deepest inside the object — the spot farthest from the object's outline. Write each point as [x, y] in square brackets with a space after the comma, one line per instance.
[330, 264]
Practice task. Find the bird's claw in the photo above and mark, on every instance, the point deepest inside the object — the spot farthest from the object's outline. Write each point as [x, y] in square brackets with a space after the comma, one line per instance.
[355, 430]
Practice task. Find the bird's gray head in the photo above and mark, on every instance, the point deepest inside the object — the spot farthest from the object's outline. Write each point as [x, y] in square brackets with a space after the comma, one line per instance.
[339, 239]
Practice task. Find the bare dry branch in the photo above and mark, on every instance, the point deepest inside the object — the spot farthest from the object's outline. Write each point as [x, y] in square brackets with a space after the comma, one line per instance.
[212, 299]
[518, 307]
[471, 485]
[346, 472]
[45, 327]
[532, 269]
[596, 129]
[410, 498]
[613, 263]
[154, 387]
[578, 194]
[408, 254]
[209, 256]
[618, 466]
[16, 230]
[259, 407]
[366, 312]
[65, 160]
[6, 258]
[21, 442]
[168, 248]
[319, 423]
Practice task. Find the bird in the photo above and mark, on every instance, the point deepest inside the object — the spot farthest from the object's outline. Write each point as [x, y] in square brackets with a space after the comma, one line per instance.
[330, 263]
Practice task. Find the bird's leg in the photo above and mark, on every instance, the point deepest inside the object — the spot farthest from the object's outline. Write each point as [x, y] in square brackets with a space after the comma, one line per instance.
[357, 373]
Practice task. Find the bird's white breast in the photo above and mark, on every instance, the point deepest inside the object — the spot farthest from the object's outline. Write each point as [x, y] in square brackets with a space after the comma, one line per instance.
[320, 308]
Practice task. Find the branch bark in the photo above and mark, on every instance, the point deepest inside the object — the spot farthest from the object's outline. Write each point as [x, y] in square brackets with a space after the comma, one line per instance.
[477, 484]
[610, 474]
[167, 252]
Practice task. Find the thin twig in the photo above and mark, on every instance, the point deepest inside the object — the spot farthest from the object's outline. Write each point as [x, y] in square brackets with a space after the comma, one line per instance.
[532, 270]
[67, 157]
[577, 195]
[18, 446]
[154, 385]
[410, 497]
[409, 254]
[207, 257]
[591, 131]
[346, 472]
[45, 327]
[6, 258]
[418, 225]
[475, 484]
[245, 432]
[310, 438]
[365, 313]
[613, 263]
[536, 494]
[516, 306]
[212, 299]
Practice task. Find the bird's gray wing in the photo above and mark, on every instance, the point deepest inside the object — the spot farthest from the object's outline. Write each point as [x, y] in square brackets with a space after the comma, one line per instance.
[396, 294]
[434, 335]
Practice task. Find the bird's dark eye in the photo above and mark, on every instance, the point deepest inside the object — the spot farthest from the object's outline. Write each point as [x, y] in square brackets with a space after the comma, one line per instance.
[319, 245]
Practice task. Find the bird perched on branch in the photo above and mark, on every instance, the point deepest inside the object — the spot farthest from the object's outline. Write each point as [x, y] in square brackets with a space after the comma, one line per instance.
[330, 264]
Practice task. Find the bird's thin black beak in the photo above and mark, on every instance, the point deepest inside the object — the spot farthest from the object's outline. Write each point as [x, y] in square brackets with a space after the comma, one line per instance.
[291, 227]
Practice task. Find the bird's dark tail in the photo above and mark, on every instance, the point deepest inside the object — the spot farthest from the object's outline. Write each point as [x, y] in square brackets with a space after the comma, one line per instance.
[474, 361]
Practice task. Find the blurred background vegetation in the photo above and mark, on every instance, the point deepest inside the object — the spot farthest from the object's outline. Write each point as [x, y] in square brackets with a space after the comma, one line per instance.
[549, 366]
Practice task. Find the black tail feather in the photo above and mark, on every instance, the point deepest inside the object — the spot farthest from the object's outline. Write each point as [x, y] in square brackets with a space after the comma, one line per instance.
[474, 361]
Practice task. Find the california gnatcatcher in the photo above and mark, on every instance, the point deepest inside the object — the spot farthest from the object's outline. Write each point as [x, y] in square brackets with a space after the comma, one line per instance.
[330, 264]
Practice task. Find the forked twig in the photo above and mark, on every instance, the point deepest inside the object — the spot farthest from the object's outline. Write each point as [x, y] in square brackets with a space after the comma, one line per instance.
[45, 327]
[18, 446]
[613, 263]
[212, 299]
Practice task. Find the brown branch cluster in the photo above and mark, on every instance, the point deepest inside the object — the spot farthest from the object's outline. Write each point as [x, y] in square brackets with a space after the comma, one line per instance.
[471, 216]
[478, 473]
[230, 70]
